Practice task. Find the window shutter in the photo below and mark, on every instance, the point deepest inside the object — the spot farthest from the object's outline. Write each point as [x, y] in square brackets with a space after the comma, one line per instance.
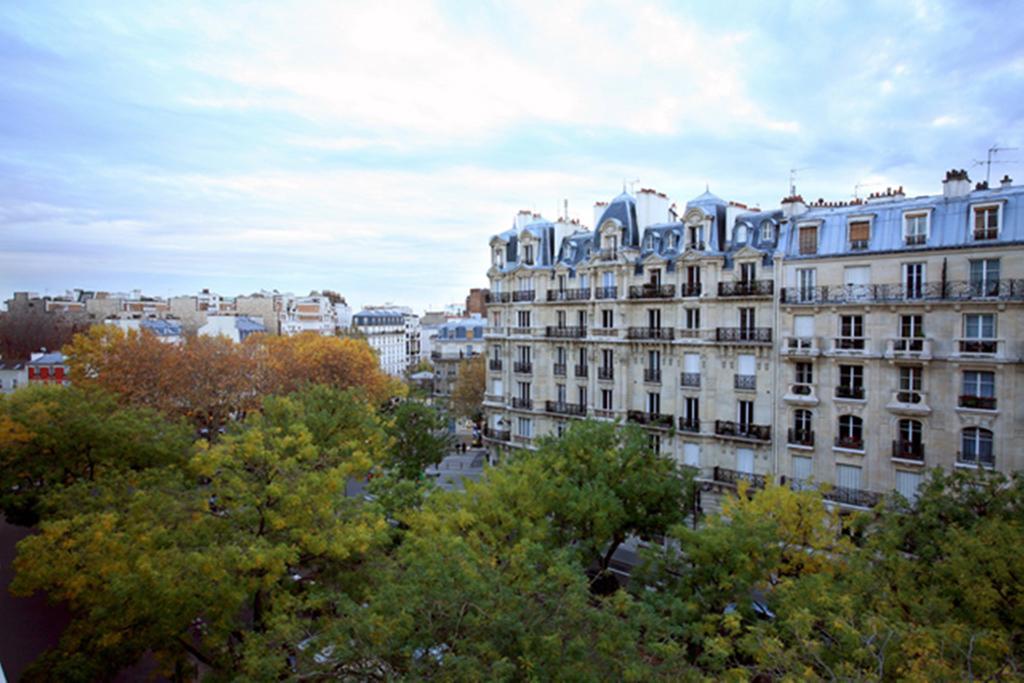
[848, 476]
[692, 363]
[691, 454]
[746, 365]
[803, 468]
[907, 483]
[745, 460]
[803, 325]
[809, 240]
[859, 231]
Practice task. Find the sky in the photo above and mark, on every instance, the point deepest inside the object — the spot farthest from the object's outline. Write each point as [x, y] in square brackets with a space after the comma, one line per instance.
[373, 148]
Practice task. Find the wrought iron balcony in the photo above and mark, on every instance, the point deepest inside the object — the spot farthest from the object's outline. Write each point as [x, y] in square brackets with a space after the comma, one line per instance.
[955, 290]
[691, 333]
[850, 391]
[744, 335]
[658, 333]
[850, 441]
[748, 382]
[908, 450]
[561, 408]
[525, 295]
[494, 364]
[743, 430]
[725, 475]
[853, 497]
[649, 419]
[581, 370]
[800, 437]
[522, 403]
[581, 294]
[652, 291]
[574, 332]
[522, 368]
[497, 434]
[498, 297]
[979, 347]
[652, 375]
[978, 402]
[691, 425]
[559, 369]
[606, 292]
[606, 372]
[746, 288]
[690, 289]
[689, 379]
[849, 345]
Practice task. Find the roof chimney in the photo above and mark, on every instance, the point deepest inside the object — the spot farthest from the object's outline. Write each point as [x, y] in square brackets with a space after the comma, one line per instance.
[956, 184]
[793, 205]
[1007, 181]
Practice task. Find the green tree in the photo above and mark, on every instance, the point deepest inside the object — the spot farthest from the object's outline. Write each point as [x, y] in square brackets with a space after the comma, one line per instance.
[419, 439]
[52, 436]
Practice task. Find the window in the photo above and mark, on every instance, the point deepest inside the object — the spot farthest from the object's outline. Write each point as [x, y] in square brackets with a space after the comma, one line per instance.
[499, 257]
[848, 477]
[560, 355]
[851, 382]
[524, 354]
[606, 399]
[525, 427]
[696, 237]
[528, 254]
[910, 444]
[693, 318]
[907, 484]
[745, 414]
[808, 239]
[912, 327]
[805, 280]
[979, 333]
[692, 287]
[915, 228]
[691, 412]
[979, 390]
[805, 374]
[654, 442]
[653, 402]
[607, 318]
[560, 428]
[524, 391]
[976, 447]
[654, 360]
[691, 454]
[986, 222]
[581, 395]
[523, 318]
[860, 234]
[802, 433]
[851, 432]
[913, 280]
[910, 384]
[608, 280]
[607, 358]
[740, 234]
[985, 277]
[747, 321]
[858, 283]
[748, 272]
[851, 332]
[655, 277]
[654, 318]
[767, 231]
[560, 393]
[803, 468]
[560, 318]
[581, 319]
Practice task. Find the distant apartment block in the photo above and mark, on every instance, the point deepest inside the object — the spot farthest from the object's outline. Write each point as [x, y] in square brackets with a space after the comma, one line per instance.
[385, 331]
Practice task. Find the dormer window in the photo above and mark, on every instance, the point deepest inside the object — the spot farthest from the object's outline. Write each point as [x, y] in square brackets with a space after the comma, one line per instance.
[859, 233]
[528, 254]
[808, 239]
[499, 257]
[986, 221]
[915, 228]
[740, 236]
[767, 231]
[696, 237]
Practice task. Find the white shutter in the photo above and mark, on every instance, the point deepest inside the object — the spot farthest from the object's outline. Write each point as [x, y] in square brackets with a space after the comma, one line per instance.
[803, 467]
[499, 389]
[848, 476]
[691, 363]
[691, 454]
[907, 483]
[857, 275]
[803, 326]
[746, 365]
[745, 460]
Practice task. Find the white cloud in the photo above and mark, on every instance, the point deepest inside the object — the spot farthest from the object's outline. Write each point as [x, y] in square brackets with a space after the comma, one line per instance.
[945, 120]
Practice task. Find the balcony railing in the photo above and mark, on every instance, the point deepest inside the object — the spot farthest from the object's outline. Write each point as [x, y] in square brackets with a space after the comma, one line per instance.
[800, 346]
[800, 437]
[745, 382]
[956, 290]
[574, 332]
[522, 403]
[908, 450]
[561, 408]
[606, 292]
[746, 288]
[559, 369]
[604, 413]
[525, 295]
[854, 497]
[910, 398]
[606, 372]
[850, 441]
[689, 379]
[980, 347]
[978, 402]
[910, 348]
[652, 291]
[498, 297]
[494, 364]
[757, 335]
[497, 434]
[849, 344]
[652, 375]
[743, 430]
[649, 419]
[800, 389]
[522, 331]
[660, 333]
[850, 391]
[581, 370]
[734, 477]
[522, 368]
[604, 332]
[581, 294]
[690, 289]
[688, 424]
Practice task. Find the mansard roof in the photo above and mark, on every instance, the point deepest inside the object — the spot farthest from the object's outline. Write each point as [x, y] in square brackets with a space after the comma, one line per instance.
[623, 210]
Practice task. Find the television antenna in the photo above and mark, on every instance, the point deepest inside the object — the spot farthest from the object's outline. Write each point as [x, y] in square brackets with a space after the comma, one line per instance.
[992, 151]
[856, 188]
[792, 179]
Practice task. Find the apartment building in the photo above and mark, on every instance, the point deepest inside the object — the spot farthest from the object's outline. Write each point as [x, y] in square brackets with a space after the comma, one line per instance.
[385, 332]
[854, 344]
[455, 341]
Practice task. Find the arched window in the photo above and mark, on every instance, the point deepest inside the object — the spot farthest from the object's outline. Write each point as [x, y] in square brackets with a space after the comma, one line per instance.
[909, 444]
[801, 433]
[976, 447]
[851, 432]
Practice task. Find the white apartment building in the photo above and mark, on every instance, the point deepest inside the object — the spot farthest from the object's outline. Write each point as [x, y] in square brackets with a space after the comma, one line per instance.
[308, 314]
[853, 344]
[235, 327]
[453, 342]
[385, 331]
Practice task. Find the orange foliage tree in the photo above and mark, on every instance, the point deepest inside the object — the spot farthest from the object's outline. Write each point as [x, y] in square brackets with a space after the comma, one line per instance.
[212, 380]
